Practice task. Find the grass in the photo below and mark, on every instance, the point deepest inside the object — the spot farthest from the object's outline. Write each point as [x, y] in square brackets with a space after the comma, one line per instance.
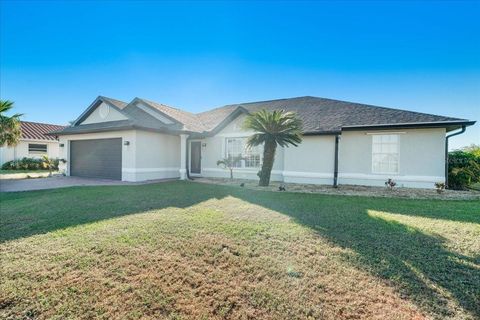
[182, 250]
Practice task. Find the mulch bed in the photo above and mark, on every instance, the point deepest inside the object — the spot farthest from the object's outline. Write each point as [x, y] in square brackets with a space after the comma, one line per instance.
[349, 190]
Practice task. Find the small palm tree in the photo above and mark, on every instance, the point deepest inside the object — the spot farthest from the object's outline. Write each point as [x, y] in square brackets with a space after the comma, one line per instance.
[48, 163]
[229, 163]
[9, 126]
[272, 129]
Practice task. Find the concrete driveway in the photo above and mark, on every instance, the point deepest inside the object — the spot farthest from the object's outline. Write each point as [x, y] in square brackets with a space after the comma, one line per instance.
[59, 182]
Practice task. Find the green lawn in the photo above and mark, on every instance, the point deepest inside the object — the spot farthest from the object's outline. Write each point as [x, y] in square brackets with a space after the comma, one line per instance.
[183, 250]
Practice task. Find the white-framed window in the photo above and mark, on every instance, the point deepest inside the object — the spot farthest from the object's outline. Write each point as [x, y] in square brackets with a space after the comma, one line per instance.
[385, 153]
[36, 148]
[250, 157]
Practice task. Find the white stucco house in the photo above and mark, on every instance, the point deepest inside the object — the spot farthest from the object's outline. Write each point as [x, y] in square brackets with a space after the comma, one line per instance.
[343, 143]
[34, 142]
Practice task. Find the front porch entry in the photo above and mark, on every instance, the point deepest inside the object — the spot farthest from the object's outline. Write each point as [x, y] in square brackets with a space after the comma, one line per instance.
[196, 157]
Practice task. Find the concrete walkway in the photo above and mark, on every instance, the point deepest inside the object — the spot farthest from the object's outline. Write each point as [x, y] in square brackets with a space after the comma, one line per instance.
[26, 175]
[61, 182]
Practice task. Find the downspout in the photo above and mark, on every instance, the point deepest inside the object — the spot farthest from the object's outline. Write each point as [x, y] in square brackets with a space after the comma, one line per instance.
[335, 169]
[446, 152]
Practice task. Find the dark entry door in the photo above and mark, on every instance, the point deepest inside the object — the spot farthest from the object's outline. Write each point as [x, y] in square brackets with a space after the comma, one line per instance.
[100, 158]
[196, 157]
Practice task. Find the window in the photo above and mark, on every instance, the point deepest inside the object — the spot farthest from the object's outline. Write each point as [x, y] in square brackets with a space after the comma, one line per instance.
[237, 147]
[37, 148]
[385, 153]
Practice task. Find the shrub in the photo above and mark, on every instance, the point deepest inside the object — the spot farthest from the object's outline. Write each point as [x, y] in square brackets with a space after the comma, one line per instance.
[49, 164]
[30, 164]
[390, 184]
[463, 169]
[440, 186]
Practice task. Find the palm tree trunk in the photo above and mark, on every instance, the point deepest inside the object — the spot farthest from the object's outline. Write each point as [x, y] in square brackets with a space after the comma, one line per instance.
[268, 158]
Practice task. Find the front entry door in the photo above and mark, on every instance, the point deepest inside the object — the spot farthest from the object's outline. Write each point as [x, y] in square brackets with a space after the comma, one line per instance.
[196, 157]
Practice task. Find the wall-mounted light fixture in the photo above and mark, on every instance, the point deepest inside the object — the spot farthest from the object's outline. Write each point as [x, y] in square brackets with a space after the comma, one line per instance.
[126, 143]
[62, 145]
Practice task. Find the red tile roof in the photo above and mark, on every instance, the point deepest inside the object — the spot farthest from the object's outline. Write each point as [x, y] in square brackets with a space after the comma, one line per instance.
[38, 131]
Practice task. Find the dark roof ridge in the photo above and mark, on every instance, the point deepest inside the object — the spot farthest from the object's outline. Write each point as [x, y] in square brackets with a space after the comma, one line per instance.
[108, 98]
[251, 102]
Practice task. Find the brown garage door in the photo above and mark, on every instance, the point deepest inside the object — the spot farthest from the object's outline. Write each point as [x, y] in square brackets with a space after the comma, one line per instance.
[99, 158]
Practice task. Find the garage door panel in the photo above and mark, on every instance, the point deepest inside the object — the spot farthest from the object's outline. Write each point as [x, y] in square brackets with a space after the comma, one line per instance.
[99, 158]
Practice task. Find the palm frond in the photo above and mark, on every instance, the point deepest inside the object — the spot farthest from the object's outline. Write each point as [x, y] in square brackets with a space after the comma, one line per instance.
[280, 126]
[5, 105]
[10, 130]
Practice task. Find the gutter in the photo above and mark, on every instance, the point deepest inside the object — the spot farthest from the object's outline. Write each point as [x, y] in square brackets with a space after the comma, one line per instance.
[83, 130]
[464, 127]
[434, 124]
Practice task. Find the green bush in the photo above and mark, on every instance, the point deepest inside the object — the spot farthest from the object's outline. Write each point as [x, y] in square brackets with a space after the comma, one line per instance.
[29, 164]
[463, 169]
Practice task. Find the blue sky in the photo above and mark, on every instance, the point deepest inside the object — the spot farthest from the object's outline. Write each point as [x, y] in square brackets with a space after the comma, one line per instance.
[56, 57]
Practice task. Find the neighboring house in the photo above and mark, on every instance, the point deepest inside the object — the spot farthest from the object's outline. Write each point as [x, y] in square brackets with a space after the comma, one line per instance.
[344, 143]
[34, 142]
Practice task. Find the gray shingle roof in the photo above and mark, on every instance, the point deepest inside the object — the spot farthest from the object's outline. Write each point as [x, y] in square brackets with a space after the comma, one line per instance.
[319, 116]
[327, 115]
[189, 120]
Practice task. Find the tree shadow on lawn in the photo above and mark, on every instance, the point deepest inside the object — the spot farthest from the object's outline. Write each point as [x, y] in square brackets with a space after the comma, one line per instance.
[23, 214]
[418, 264]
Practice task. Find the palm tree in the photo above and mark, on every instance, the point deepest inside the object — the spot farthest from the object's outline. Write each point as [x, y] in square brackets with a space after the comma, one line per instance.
[48, 163]
[9, 126]
[229, 163]
[272, 128]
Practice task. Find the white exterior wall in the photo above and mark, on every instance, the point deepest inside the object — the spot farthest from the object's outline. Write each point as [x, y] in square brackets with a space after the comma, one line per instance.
[422, 161]
[111, 115]
[421, 158]
[157, 156]
[311, 162]
[21, 150]
[7, 154]
[149, 155]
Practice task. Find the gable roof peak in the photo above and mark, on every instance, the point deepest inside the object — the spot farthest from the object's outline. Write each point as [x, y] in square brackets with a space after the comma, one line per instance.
[117, 103]
[189, 120]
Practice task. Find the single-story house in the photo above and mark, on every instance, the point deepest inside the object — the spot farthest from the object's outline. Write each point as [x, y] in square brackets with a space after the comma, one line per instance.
[34, 142]
[343, 143]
